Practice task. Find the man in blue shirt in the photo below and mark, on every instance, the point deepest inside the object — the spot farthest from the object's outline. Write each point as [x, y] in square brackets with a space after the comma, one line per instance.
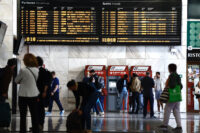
[55, 95]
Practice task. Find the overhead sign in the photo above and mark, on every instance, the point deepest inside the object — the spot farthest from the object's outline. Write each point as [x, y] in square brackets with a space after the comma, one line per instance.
[99, 22]
[193, 55]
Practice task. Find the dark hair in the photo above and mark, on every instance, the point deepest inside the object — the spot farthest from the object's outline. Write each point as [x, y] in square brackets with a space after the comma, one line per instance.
[30, 60]
[158, 73]
[53, 73]
[135, 75]
[11, 62]
[92, 71]
[172, 67]
[71, 83]
[40, 61]
[147, 73]
[125, 76]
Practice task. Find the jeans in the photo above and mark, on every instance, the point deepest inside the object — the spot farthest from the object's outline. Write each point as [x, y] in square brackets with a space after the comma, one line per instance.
[101, 98]
[151, 100]
[32, 104]
[141, 100]
[55, 98]
[124, 96]
[176, 111]
[41, 111]
[136, 100]
[95, 109]
[87, 108]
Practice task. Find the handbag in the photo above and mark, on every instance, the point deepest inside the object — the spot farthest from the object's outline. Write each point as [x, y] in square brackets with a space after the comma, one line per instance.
[175, 94]
[164, 97]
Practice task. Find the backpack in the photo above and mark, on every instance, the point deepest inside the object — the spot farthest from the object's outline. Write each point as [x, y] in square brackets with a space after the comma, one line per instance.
[48, 79]
[74, 123]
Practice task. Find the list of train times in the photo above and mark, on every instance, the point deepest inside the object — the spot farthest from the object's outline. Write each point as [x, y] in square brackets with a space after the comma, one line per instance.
[42, 23]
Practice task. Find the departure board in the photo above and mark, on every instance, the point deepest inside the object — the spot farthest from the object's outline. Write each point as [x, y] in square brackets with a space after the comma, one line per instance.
[85, 22]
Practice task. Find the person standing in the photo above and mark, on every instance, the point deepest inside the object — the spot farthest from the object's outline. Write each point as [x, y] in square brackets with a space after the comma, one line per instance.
[98, 83]
[135, 89]
[55, 96]
[6, 74]
[147, 86]
[43, 84]
[172, 81]
[28, 92]
[122, 85]
[89, 98]
[197, 88]
[158, 90]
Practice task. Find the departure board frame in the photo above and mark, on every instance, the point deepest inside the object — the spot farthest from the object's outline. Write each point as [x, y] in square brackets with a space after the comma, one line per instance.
[97, 22]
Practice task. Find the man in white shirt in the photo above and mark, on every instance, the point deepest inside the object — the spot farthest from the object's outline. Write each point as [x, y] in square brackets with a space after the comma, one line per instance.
[158, 90]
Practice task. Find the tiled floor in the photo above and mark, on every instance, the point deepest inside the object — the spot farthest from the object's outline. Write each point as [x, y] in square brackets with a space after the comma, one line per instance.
[117, 123]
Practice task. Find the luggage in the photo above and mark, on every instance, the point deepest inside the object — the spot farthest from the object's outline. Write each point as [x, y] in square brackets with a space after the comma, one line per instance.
[5, 114]
[73, 124]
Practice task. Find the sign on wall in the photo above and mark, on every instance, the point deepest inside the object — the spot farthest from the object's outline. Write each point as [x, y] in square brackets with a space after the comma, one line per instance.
[193, 34]
[97, 22]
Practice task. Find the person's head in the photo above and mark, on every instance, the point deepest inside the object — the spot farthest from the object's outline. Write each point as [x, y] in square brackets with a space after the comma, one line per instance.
[92, 72]
[40, 61]
[135, 75]
[53, 73]
[157, 74]
[12, 63]
[72, 85]
[148, 74]
[125, 76]
[172, 68]
[30, 60]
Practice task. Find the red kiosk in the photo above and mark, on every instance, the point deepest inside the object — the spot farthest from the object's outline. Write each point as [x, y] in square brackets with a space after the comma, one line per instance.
[114, 74]
[141, 72]
[100, 71]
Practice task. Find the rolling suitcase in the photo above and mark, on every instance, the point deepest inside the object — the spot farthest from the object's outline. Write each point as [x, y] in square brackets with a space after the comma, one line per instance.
[5, 114]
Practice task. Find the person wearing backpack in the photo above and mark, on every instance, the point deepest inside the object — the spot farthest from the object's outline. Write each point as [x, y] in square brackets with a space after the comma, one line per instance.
[28, 92]
[173, 83]
[43, 84]
[122, 87]
[98, 83]
[6, 74]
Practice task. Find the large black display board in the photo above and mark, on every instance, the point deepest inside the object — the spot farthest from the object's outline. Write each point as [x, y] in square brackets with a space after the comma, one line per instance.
[132, 22]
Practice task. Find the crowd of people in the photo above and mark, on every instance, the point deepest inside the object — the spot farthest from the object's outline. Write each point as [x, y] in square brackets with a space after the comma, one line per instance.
[40, 87]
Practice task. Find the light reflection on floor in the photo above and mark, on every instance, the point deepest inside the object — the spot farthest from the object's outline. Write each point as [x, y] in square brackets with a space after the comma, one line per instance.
[115, 122]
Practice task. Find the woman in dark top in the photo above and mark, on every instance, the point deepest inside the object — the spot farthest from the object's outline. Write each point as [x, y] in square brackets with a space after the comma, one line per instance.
[89, 98]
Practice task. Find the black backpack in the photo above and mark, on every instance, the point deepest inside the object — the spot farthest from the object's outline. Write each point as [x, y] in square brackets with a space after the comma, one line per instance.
[74, 123]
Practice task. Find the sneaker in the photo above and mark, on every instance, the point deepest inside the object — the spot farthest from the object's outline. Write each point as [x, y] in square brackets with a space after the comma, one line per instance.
[177, 129]
[101, 113]
[153, 117]
[48, 114]
[95, 114]
[62, 113]
[125, 111]
[121, 111]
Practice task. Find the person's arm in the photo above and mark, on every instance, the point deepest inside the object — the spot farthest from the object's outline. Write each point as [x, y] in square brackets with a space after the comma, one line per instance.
[77, 97]
[5, 83]
[56, 87]
[18, 79]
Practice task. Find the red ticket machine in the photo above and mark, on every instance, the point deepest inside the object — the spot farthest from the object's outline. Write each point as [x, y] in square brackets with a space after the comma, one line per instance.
[100, 71]
[141, 72]
[114, 74]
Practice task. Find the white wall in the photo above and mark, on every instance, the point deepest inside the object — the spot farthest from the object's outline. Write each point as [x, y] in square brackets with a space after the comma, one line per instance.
[69, 61]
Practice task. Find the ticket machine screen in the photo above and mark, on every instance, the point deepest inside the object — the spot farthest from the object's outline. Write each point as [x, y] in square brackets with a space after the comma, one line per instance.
[112, 84]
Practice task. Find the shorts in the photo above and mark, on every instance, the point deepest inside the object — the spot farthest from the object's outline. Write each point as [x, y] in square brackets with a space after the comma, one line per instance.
[158, 94]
